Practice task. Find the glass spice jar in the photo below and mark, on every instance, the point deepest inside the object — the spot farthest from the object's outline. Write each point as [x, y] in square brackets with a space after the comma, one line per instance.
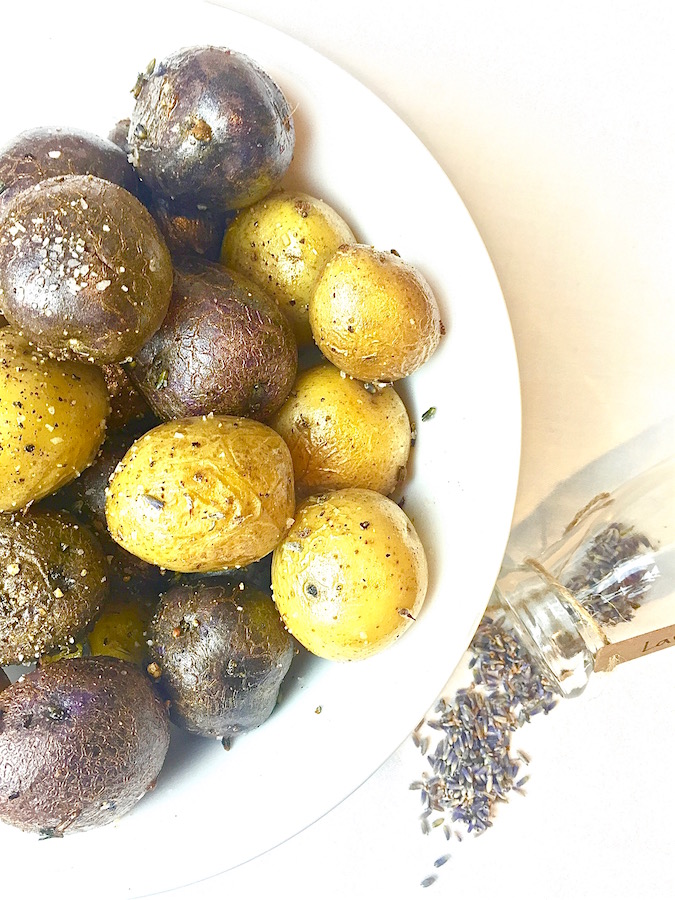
[604, 593]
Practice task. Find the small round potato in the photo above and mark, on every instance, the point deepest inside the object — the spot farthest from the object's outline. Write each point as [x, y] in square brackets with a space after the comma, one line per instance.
[81, 742]
[223, 652]
[373, 315]
[84, 270]
[342, 434]
[350, 576]
[40, 153]
[210, 127]
[52, 420]
[224, 348]
[53, 579]
[203, 494]
[282, 243]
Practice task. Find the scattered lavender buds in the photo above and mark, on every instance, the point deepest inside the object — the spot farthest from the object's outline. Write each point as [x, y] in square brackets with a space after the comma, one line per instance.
[472, 767]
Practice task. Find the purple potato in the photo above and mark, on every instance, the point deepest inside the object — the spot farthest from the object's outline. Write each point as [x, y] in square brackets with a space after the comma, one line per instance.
[84, 270]
[53, 580]
[81, 741]
[40, 153]
[224, 348]
[210, 128]
[221, 652]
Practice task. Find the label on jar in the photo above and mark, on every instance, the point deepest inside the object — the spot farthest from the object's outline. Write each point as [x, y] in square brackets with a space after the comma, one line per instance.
[634, 647]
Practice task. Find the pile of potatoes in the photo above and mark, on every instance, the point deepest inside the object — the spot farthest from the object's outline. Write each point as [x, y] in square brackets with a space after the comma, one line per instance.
[164, 455]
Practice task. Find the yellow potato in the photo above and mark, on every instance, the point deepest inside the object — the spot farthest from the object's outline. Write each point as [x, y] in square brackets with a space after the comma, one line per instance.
[52, 420]
[120, 631]
[342, 435]
[350, 576]
[282, 243]
[373, 315]
[202, 494]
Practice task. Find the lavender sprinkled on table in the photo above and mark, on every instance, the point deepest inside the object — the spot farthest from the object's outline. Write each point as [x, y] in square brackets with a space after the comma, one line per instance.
[471, 766]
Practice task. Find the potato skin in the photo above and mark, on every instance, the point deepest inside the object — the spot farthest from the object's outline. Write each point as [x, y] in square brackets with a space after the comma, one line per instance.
[282, 243]
[210, 127]
[203, 494]
[223, 653]
[53, 580]
[52, 420]
[342, 435]
[40, 153]
[373, 315]
[224, 348]
[84, 271]
[82, 741]
[351, 574]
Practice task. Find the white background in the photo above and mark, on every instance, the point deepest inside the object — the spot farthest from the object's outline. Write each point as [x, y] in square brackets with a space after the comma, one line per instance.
[555, 123]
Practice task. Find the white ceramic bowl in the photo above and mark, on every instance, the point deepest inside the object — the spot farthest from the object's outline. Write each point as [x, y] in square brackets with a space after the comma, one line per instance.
[213, 810]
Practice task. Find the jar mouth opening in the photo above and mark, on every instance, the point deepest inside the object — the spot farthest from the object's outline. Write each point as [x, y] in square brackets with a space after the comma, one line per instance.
[555, 630]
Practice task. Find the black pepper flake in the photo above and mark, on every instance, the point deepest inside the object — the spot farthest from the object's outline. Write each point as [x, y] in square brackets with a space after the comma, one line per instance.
[312, 590]
[364, 525]
[29, 448]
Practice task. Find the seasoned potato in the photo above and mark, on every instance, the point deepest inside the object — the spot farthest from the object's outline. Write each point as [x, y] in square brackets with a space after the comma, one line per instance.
[221, 652]
[40, 153]
[84, 270]
[373, 315]
[81, 742]
[341, 434]
[224, 348]
[203, 494]
[282, 243]
[53, 579]
[52, 420]
[350, 576]
[209, 127]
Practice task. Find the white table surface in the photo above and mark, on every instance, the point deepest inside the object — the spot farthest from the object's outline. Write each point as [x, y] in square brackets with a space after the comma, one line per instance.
[555, 123]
